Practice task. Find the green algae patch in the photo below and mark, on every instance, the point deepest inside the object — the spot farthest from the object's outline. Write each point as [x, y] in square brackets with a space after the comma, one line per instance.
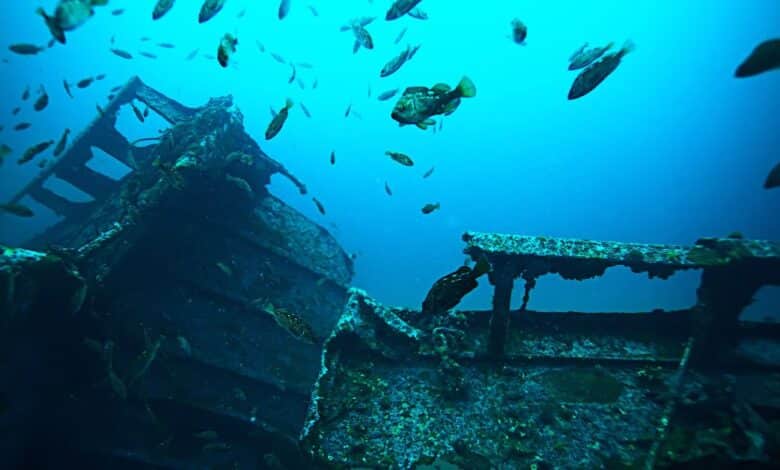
[581, 386]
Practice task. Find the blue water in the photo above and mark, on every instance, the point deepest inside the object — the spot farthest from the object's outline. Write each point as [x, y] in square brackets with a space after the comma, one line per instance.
[668, 149]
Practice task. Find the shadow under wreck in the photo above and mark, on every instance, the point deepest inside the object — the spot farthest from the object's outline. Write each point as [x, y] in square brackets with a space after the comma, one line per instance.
[524, 389]
[178, 318]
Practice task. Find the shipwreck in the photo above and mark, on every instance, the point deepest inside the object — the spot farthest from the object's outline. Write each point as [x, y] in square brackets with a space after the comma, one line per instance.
[187, 318]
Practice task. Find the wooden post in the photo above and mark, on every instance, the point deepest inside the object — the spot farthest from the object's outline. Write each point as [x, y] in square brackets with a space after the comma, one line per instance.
[502, 279]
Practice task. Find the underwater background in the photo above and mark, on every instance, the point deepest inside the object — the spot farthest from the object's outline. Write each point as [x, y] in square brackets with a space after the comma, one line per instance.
[671, 147]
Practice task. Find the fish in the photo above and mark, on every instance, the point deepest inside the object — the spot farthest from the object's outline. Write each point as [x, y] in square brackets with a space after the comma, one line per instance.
[284, 9]
[224, 268]
[773, 179]
[428, 208]
[449, 290]
[400, 35]
[584, 57]
[185, 347]
[100, 77]
[209, 57]
[428, 173]
[332, 157]
[146, 112]
[22, 126]
[16, 110]
[260, 46]
[387, 189]
[145, 39]
[362, 39]
[399, 8]
[314, 84]
[148, 55]
[33, 151]
[592, 76]
[292, 323]
[356, 115]
[4, 152]
[121, 53]
[115, 89]
[26, 93]
[305, 65]
[100, 110]
[292, 77]
[25, 49]
[305, 110]
[519, 31]
[278, 58]
[18, 210]
[138, 114]
[52, 42]
[60, 147]
[386, 95]
[765, 57]
[349, 109]
[313, 10]
[166, 45]
[401, 158]
[42, 101]
[161, 8]
[227, 47]
[66, 85]
[68, 15]
[300, 83]
[117, 12]
[278, 121]
[418, 104]
[396, 62]
[418, 14]
[319, 205]
[192, 54]
[209, 9]
[83, 83]
[241, 13]
[369, 90]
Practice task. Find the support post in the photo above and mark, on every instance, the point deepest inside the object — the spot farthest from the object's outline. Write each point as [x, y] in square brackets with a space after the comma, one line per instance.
[502, 277]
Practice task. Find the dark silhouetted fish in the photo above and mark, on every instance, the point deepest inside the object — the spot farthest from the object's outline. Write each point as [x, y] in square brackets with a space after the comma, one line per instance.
[765, 57]
[17, 210]
[192, 54]
[386, 95]
[305, 110]
[148, 55]
[584, 56]
[418, 14]
[66, 85]
[401, 158]
[166, 45]
[26, 93]
[400, 35]
[121, 53]
[16, 110]
[278, 121]
[332, 157]
[25, 49]
[388, 190]
[396, 62]
[448, 291]
[33, 151]
[85, 82]
[319, 205]
[161, 8]
[428, 173]
[42, 101]
[209, 9]
[429, 208]
[117, 12]
[284, 9]
[773, 179]
[62, 143]
[22, 126]
[399, 8]
[313, 10]
[592, 76]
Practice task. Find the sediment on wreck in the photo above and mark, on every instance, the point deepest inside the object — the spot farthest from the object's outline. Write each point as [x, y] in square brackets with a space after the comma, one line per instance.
[521, 388]
[208, 299]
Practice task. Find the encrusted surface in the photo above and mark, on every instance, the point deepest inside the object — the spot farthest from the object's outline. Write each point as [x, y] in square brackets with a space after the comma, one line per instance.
[592, 257]
[398, 389]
